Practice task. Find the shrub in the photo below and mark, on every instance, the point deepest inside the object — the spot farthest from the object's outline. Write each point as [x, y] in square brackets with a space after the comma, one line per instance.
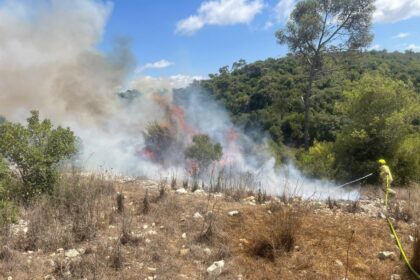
[407, 159]
[203, 151]
[379, 112]
[161, 144]
[36, 150]
[318, 161]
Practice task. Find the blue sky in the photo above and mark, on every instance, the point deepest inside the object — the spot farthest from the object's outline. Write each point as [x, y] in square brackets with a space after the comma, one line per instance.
[162, 50]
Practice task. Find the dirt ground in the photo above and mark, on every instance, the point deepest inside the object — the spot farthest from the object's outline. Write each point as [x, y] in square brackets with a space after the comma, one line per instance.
[179, 236]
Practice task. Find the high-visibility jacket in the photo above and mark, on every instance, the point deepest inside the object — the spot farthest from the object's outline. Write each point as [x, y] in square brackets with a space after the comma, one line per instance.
[385, 174]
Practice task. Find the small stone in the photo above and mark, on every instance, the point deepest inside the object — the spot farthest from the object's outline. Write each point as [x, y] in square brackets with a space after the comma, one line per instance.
[152, 269]
[207, 251]
[184, 252]
[60, 250]
[243, 241]
[240, 277]
[151, 232]
[72, 253]
[197, 215]
[145, 226]
[10, 278]
[216, 269]
[181, 191]
[338, 262]
[386, 255]
[395, 277]
[233, 213]
[49, 277]
[184, 235]
[411, 238]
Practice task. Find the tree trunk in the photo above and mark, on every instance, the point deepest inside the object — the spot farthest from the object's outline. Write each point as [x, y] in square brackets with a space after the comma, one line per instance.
[307, 104]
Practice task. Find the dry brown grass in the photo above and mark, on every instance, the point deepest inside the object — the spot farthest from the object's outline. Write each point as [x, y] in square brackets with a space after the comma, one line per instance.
[272, 240]
[74, 213]
[278, 236]
[415, 259]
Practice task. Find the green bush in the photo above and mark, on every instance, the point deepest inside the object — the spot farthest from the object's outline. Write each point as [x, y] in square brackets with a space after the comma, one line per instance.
[379, 113]
[203, 151]
[407, 159]
[36, 150]
[318, 161]
[8, 212]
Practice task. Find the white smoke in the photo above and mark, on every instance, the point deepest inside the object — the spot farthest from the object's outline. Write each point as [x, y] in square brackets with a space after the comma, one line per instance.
[49, 62]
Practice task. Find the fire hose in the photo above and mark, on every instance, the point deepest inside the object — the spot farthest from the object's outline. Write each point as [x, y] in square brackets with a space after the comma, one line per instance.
[394, 233]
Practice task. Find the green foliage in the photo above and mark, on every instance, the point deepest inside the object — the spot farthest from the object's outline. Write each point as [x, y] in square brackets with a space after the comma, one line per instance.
[379, 113]
[407, 159]
[36, 150]
[8, 212]
[318, 161]
[203, 151]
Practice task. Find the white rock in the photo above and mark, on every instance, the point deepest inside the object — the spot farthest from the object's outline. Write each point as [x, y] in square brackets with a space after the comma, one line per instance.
[60, 250]
[181, 191]
[184, 252]
[199, 191]
[386, 255]
[151, 232]
[49, 277]
[395, 277]
[411, 238]
[338, 262]
[233, 213]
[197, 215]
[10, 278]
[184, 235]
[216, 269]
[207, 251]
[72, 253]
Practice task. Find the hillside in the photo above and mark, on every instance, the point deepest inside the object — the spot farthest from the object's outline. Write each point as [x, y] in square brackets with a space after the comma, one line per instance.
[95, 233]
[363, 107]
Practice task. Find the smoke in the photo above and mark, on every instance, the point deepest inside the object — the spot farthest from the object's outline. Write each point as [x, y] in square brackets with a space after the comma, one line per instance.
[49, 62]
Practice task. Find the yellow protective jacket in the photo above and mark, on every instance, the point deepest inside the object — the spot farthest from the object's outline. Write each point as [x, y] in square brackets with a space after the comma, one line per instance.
[385, 174]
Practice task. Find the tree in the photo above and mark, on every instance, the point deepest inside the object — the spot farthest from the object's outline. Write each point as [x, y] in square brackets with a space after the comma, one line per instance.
[318, 28]
[381, 120]
[161, 145]
[36, 150]
[203, 151]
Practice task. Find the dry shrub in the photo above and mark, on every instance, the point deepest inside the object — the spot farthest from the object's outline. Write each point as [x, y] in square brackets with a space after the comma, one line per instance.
[146, 203]
[400, 213]
[5, 254]
[120, 202]
[74, 213]
[277, 235]
[116, 258]
[127, 238]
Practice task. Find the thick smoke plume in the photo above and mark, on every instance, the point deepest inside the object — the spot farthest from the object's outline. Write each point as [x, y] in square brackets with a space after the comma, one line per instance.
[49, 62]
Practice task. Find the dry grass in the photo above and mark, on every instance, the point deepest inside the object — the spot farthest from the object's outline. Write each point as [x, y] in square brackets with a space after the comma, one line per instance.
[278, 236]
[415, 259]
[272, 240]
[73, 214]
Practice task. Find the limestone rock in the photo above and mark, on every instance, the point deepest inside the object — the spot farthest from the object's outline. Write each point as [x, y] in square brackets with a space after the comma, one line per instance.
[72, 253]
[386, 255]
[181, 191]
[233, 213]
[216, 269]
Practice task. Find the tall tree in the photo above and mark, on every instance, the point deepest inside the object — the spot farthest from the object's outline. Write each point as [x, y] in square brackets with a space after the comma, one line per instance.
[320, 28]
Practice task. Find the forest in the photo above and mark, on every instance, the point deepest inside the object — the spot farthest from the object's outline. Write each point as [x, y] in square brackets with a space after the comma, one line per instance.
[364, 106]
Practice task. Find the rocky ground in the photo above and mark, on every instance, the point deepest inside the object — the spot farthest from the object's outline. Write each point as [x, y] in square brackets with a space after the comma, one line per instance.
[148, 230]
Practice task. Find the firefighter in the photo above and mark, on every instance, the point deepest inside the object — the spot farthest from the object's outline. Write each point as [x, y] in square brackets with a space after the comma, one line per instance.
[386, 177]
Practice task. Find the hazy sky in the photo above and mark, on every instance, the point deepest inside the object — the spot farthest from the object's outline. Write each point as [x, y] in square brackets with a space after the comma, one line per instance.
[197, 37]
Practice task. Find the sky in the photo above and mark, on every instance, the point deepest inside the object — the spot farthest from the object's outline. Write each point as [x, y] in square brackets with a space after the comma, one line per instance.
[193, 38]
[196, 37]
